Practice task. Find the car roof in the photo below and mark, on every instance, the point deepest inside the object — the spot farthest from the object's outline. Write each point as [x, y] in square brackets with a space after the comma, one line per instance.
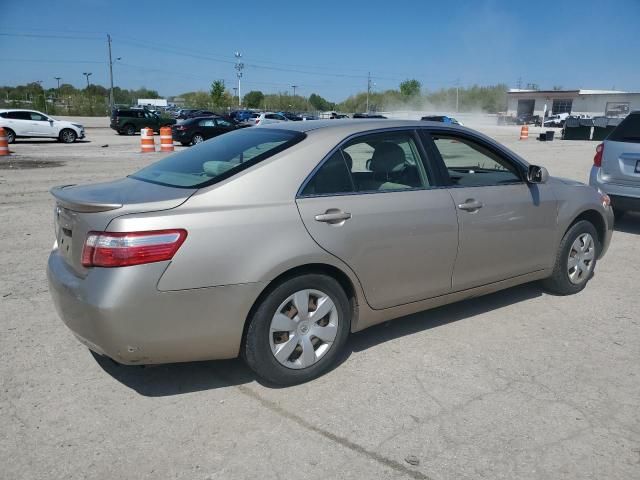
[356, 125]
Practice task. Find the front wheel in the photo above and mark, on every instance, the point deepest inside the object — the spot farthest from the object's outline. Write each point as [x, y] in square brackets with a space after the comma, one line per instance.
[297, 331]
[575, 260]
[197, 138]
[68, 136]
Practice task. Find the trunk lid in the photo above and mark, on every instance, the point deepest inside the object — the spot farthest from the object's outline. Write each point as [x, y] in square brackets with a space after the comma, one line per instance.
[82, 208]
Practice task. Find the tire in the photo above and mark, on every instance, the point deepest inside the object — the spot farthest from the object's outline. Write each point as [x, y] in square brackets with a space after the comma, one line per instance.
[565, 279]
[197, 138]
[129, 129]
[297, 364]
[67, 136]
[11, 135]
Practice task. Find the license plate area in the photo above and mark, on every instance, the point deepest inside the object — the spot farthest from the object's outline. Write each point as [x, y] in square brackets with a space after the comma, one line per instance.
[637, 170]
[64, 232]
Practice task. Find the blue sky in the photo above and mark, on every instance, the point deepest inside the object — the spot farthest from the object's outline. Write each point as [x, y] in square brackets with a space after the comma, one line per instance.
[326, 47]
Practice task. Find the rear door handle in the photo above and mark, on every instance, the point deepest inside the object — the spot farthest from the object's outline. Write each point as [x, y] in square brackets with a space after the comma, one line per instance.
[333, 216]
[470, 205]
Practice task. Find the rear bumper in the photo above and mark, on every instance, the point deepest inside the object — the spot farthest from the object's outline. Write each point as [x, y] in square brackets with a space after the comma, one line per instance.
[120, 313]
[624, 197]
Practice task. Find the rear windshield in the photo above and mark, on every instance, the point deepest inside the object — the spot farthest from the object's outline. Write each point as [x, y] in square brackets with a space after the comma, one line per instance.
[218, 158]
[628, 130]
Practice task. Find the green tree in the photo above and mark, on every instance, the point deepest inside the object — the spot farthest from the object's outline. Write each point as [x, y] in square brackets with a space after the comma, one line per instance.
[410, 88]
[320, 103]
[217, 93]
[253, 99]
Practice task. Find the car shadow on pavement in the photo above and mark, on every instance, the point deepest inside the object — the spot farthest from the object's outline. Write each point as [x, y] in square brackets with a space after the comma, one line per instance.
[45, 141]
[180, 378]
[630, 223]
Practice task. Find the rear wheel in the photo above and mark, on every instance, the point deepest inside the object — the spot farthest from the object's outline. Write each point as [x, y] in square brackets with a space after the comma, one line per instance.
[575, 261]
[67, 136]
[11, 135]
[197, 138]
[298, 330]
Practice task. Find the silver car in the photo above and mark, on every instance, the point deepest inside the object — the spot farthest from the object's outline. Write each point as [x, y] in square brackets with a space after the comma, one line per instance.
[275, 243]
[616, 166]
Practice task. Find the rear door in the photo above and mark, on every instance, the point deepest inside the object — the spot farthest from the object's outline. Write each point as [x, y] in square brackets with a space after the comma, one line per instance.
[373, 204]
[20, 122]
[621, 158]
[507, 226]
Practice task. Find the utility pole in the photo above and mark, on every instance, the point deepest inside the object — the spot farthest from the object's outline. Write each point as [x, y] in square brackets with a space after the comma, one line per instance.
[457, 95]
[368, 89]
[87, 74]
[239, 66]
[110, 73]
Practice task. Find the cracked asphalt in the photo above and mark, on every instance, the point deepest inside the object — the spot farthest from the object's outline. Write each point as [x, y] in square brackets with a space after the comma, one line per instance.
[515, 385]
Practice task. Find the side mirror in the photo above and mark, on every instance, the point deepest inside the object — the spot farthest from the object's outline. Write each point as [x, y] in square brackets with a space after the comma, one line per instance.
[537, 174]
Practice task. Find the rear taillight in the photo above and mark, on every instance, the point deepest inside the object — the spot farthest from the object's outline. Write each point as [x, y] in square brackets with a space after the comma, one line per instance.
[597, 158]
[122, 249]
[257, 121]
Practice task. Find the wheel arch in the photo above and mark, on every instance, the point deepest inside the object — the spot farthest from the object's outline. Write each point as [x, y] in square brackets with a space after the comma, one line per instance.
[595, 218]
[318, 268]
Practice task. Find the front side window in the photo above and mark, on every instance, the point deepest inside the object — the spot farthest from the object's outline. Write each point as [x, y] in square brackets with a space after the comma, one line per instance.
[222, 122]
[470, 164]
[218, 158]
[37, 117]
[207, 122]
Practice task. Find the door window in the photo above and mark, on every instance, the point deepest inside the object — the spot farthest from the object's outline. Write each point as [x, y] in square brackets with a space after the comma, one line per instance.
[207, 122]
[471, 164]
[223, 123]
[37, 117]
[19, 115]
[373, 163]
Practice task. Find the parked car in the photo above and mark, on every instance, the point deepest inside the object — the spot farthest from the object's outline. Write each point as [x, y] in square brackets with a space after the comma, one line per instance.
[275, 243]
[241, 115]
[441, 118]
[18, 123]
[184, 113]
[128, 121]
[527, 119]
[616, 166]
[196, 130]
[267, 118]
[367, 115]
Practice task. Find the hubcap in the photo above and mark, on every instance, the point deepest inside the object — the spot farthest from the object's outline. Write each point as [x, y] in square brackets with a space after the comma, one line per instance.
[581, 257]
[198, 139]
[303, 329]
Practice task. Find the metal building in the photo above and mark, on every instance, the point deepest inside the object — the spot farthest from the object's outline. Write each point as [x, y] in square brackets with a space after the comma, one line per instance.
[593, 103]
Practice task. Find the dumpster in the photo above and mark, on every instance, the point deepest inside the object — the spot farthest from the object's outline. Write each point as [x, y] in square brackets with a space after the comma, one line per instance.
[603, 126]
[577, 128]
[550, 134]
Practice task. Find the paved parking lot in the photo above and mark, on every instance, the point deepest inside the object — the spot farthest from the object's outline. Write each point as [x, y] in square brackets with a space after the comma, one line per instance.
[515, 385]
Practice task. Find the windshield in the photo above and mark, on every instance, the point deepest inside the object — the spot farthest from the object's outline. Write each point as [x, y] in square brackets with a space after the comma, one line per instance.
[218, 158]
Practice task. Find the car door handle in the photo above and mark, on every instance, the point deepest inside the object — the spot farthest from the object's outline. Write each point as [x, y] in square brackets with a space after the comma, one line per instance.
[333, 216]
[470, 205]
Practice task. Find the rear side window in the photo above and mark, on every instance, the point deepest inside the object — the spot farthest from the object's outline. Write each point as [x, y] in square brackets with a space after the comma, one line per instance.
[628, 130]
[218, 158]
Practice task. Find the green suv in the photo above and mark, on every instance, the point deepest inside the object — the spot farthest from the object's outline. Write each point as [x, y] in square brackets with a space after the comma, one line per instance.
[128, 121]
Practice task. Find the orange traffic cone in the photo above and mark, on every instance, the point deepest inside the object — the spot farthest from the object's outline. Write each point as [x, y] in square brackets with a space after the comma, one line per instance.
[4, 143]
[166, 140]
[524, 132]
[147, 143]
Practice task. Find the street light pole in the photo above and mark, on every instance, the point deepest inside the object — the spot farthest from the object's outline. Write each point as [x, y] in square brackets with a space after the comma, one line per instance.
[294, 89]
[110, 73]
[87, 74]
[44, 96]
[239, 66]
[368, 89]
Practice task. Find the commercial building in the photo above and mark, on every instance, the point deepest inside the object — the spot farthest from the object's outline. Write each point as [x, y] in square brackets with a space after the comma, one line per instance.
[593, 103]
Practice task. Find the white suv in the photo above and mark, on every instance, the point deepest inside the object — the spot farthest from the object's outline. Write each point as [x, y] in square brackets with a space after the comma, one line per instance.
[270, 117]
[30, 123]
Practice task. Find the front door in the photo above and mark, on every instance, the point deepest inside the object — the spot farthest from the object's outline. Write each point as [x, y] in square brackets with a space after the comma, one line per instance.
[372, 205]
[507, 226]
[41, 126]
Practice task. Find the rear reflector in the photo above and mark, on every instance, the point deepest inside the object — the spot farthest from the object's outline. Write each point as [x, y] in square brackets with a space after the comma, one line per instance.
[597, 158]
[122, 249]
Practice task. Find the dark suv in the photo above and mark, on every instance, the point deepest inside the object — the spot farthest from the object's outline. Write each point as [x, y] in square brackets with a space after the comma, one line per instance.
[128, 121]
